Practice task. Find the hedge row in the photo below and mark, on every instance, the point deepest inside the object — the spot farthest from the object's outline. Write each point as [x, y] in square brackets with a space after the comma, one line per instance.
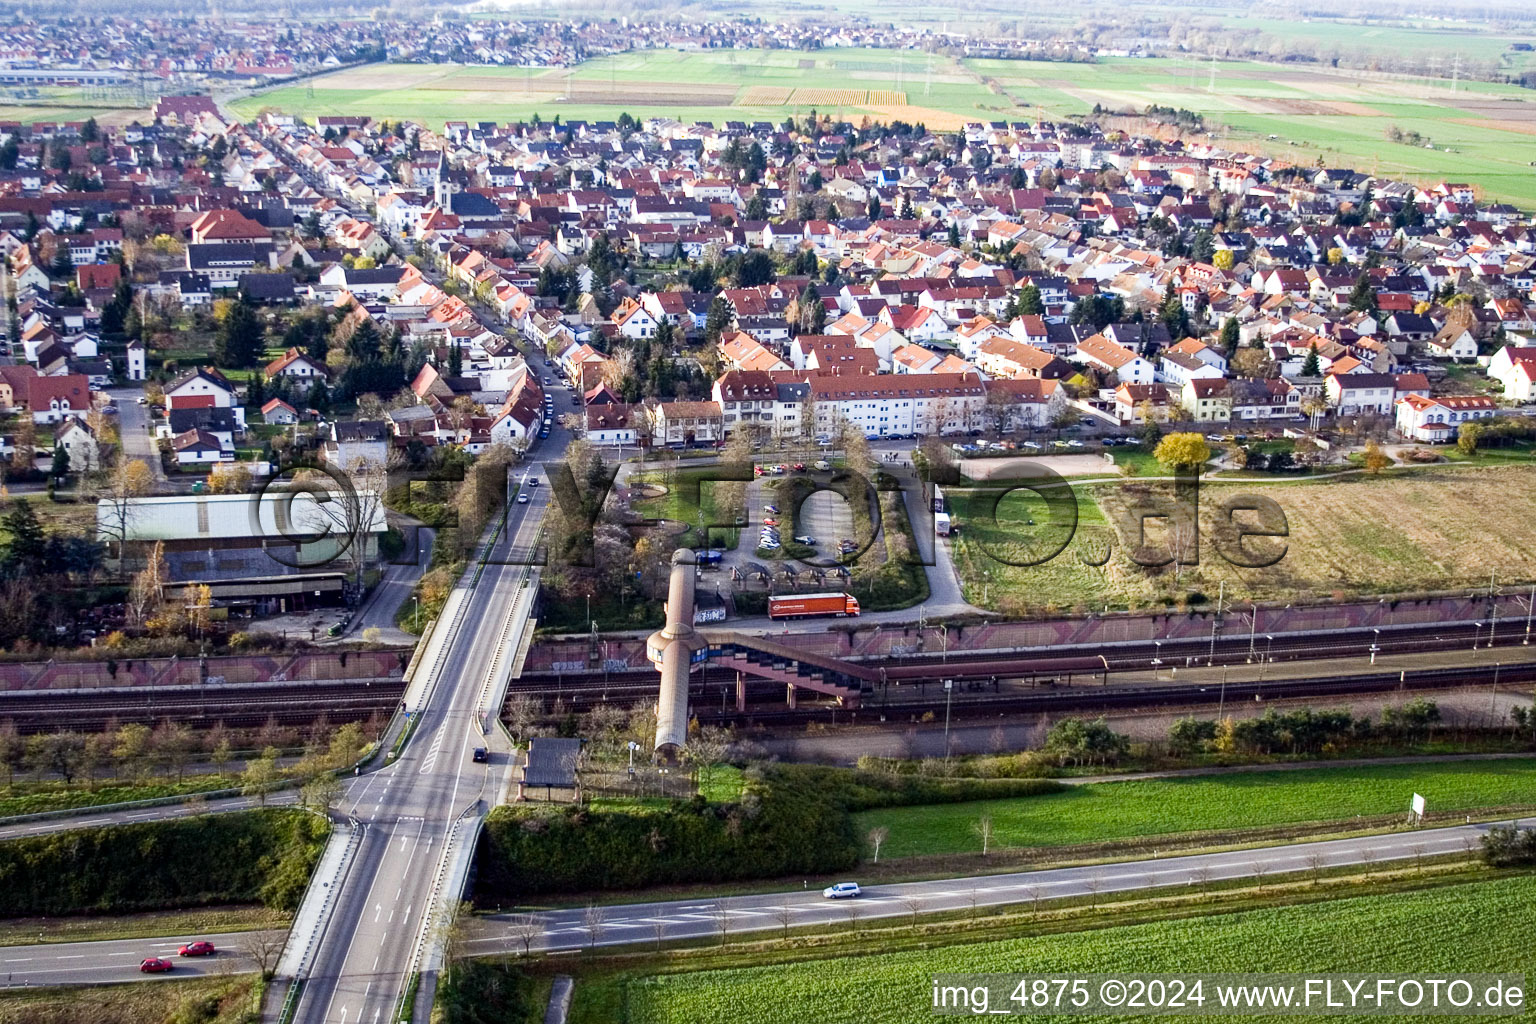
[794, 819]
[261, 856]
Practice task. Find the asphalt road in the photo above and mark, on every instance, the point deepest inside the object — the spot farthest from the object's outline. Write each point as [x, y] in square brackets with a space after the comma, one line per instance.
[700, 917]
[349, 996]
[133, 428]
[85, 819]
[117, 960]
[408, 810]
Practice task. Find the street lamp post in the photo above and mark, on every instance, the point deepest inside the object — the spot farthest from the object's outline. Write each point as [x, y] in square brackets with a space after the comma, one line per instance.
[1253, 628]
[1221, 596]
[1375, 644]
[416, 601]
[1530, 606]
[949, 690]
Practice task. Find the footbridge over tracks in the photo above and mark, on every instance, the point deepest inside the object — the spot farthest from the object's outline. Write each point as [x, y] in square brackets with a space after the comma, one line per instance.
[679, 647]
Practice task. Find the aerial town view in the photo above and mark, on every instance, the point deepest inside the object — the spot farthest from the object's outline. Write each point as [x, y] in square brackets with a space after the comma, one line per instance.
[803, 513]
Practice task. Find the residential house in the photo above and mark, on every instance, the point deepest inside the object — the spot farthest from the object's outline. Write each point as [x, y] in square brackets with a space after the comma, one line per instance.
[279, 412]
[296, 366]
[1127, 366]
[77, 441]
[1439, 419]
[685, 423]
[1207, 399]
[197, 448]
[355, 444]
[1135, 402]
[1356, 394]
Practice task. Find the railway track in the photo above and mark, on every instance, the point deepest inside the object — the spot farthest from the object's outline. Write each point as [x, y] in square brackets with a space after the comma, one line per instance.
[235, 706]
[1057, 678]
[1089, 699]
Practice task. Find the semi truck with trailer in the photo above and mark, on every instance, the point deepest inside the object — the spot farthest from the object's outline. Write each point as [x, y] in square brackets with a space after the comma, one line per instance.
[802, 606]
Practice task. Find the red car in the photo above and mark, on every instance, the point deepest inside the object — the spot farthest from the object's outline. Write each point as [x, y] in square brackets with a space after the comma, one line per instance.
[799, 467]
[155, 965]
[198, 948]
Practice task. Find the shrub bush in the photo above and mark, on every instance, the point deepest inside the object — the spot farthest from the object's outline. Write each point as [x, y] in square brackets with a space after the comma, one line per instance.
[263, 856]
[794, 819]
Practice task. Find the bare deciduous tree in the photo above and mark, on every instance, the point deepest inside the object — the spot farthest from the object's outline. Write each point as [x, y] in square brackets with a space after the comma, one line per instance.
[983, 830]
[914, 904]
[877, 837]
[722, 917]
[784, 914]
[592, 919]
[523, 929]
[1316, 861]
[266, 948]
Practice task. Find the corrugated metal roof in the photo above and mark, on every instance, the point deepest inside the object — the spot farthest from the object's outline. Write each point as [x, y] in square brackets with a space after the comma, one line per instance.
[551, 762]
[277, 514]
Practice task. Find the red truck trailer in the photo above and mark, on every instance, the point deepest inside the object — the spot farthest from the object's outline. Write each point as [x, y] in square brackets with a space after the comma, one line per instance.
[801, 606]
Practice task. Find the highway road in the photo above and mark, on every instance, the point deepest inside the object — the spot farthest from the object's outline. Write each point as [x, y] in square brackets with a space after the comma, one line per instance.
[565, 930]
[116, 960]
[408, 810]
[702, 916]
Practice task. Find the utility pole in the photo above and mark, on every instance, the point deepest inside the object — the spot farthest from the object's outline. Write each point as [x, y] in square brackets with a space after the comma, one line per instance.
[1530, 605]
[1221, 596]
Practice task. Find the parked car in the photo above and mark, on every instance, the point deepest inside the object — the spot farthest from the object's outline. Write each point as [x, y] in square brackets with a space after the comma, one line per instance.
[772, 510]
[841, 891]
[198, 948]
[806, 540]
[1035, 445]
[823, 465]
[155, 965]
[799, 467]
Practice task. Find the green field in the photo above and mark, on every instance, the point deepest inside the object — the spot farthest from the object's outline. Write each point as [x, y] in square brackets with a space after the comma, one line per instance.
[1340, 115]
[1117, 810]
[1485, 926]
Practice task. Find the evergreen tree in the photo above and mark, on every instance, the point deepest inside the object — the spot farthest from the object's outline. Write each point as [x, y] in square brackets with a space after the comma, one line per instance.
[1029, 301]
[717, 320]
[1363, 297]
[756, 208]
[455, 361]
[1229, 335]
[60, 462]
[319, 399]
[873, 207]
[363, 345]
[954, 235]
[27, 545]
[238, 342]
[256, 392]
[1312, 367]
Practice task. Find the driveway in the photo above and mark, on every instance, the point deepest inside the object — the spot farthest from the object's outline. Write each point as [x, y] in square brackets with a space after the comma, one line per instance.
[395, 584]
[133, 425]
